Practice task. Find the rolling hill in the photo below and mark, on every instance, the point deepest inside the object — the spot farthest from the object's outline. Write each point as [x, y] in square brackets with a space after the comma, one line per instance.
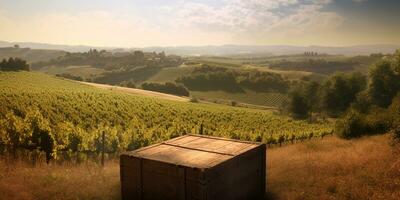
[224, 50]
[76, 114]
[30, 55]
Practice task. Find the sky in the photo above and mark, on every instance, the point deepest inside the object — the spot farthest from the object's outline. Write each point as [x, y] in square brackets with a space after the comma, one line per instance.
[140, 23]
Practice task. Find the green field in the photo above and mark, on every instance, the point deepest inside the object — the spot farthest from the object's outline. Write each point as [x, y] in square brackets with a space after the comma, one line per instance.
[170, 74]
[247, 97]
[75, 115]
[268, 99]
[290, 75]
[82, 71]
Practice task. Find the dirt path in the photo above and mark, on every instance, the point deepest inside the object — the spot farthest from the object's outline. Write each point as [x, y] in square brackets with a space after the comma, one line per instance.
[137, 91]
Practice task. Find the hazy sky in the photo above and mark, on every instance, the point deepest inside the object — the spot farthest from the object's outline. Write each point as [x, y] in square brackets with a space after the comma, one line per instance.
[138, 23]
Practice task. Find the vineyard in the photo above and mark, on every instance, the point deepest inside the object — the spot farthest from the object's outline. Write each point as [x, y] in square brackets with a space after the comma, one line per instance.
[269, 99]
[53, 114]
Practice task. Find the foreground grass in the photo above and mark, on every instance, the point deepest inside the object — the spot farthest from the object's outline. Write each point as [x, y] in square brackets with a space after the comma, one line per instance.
[331, 168]
[62, 182]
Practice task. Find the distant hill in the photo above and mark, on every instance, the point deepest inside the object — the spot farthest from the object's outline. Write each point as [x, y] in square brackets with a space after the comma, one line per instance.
[252, 50]
[30, 55]
[34, 45]
[221, 50]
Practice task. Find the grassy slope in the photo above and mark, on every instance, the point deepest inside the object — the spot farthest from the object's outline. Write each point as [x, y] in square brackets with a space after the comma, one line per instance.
[146, 93]
[290, 75]
[82, 71]
[366, 168]
[170, 74]
[248, 97]
[320, 169]
[62, 100]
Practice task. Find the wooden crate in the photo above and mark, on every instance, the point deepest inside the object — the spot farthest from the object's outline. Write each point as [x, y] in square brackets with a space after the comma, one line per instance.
[195, 167]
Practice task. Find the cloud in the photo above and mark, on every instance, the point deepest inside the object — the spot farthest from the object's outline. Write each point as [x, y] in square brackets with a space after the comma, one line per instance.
[256, 19]
[184, 23]
[90, 28]
[359, 1]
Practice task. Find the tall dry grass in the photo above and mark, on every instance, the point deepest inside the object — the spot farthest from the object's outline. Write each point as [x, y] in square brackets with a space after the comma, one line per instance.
[62, 182]
[331, 168]
[366, 168]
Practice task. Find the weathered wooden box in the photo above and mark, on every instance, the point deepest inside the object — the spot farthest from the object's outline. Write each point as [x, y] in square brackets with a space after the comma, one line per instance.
[194, 167]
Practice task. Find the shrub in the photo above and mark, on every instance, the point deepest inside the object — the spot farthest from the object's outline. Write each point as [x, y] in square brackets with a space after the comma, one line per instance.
[70, 76]
[170, 88]
[234, 103]
[298, 105]
[350, 125]
[396, 135]
[378, 121]
[194, 100]
[209, 78]
[14, 64]
[355, 124]
[129, 84]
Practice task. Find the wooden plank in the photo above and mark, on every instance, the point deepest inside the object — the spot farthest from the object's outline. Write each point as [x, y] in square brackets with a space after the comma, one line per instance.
[204, 144]
[183, 156]
[199, 143]
[183, 140]
[241, 174]
[154, 150]
[130, 175]
[162, 181]
[226, 139]
[205, 159]
[234, 148]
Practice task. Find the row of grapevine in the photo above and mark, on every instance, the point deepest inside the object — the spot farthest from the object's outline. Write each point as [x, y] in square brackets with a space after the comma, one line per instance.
[54, 114]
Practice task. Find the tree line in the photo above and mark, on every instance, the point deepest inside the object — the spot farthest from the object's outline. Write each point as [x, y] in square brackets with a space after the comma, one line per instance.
[209, 78]
[168, 87]
[113, 61]
[315, 65]
[364, 104]
[14, 64]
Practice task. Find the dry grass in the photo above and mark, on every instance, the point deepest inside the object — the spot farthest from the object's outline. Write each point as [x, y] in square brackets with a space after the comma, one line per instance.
[62, 182]
[335, 169]
[320, 169]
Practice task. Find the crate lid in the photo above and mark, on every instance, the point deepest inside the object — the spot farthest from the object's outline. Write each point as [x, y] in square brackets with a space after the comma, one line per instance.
[195, 150]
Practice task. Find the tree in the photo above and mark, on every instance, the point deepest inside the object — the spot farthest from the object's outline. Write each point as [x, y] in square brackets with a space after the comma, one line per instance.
[3, 65]
[339, 91]
[350, 125]
[311, 91]
[385, 82]
[298, 104]
[14, 64]
[168, 87]
[139, 55]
